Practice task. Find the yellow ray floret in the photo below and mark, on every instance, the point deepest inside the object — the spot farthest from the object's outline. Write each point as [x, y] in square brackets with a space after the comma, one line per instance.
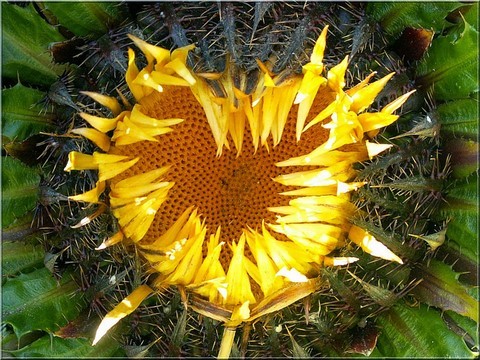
[90, 196]
[95, 136]
[109, 102]
[371, 245]
[126, 307]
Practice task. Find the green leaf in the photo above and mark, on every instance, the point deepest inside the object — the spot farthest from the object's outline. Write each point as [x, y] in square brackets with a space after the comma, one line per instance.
[454, 76]
[35, 301]
[408, 332]
[462, 211]
[471, 15]
[19, 190]
[458, 118]
[396, 16]
[463, 326]
[86, 18]
[26, 37]
[21, 113]
[19, 257]
[54, 347]
[440, 288]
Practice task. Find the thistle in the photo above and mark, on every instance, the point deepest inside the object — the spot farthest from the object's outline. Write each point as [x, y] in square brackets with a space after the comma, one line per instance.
[243, 179]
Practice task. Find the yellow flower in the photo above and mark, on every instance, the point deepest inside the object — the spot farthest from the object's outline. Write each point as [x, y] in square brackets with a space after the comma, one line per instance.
[247, 229]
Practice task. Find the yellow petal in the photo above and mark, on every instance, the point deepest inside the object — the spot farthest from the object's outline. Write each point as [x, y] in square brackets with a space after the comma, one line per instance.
[238, 290]
[139, 118]
[324, 158]
[107, 101]
[324, 234]
[373, 121]
[80, 161]
[318, 177]
[211, 267]
[166, 79]
[95, 136]
[240, 314]
[373, 149]
[112, 240]
[306, 95]
[109, 170]
[364, 97]
[92, 195]
[336, 76]
[101, 158]
[145, 79]
[151, 52]
[131, 75]
[285, 253]
[371, 245]
[293, 275]
[319, 48]
[325, 113]
[265, 267]
[172, 233]
[338, 261]
[343, 188]
[100, 123]
[140, 190]
[190, 261]
[138, 227]
[312, 191]
[395, 104]
[143, 178]
[126, 307]
[360, 85]
[181, 69]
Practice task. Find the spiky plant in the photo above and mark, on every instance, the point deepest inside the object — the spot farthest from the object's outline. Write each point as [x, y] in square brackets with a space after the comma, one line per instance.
[419, 198]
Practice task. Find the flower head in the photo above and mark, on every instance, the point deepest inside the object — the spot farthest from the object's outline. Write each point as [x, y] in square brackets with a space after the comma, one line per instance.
[245, 227]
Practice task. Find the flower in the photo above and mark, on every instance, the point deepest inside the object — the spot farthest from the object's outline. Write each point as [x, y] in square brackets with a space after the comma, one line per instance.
[408, 189]
[248, 228]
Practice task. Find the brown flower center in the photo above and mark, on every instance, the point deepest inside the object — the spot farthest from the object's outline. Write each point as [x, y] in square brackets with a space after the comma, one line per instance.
[230, 191]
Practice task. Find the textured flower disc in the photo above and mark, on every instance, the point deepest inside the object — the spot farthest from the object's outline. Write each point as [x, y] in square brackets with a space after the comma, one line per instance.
[240, 197]
[231, 191]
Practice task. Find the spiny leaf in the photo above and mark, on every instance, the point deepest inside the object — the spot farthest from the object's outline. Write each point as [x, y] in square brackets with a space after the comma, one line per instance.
[86, 18]
[381, 296]
[54, 347]
[178, 335]
[19, 257]
[26, 56]
[440, 287]
[455, 76]
[19, 190]
[418, 332]
[459, 118]
[21, 114]
[395, 16]
[35, 301]
[298, 351]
